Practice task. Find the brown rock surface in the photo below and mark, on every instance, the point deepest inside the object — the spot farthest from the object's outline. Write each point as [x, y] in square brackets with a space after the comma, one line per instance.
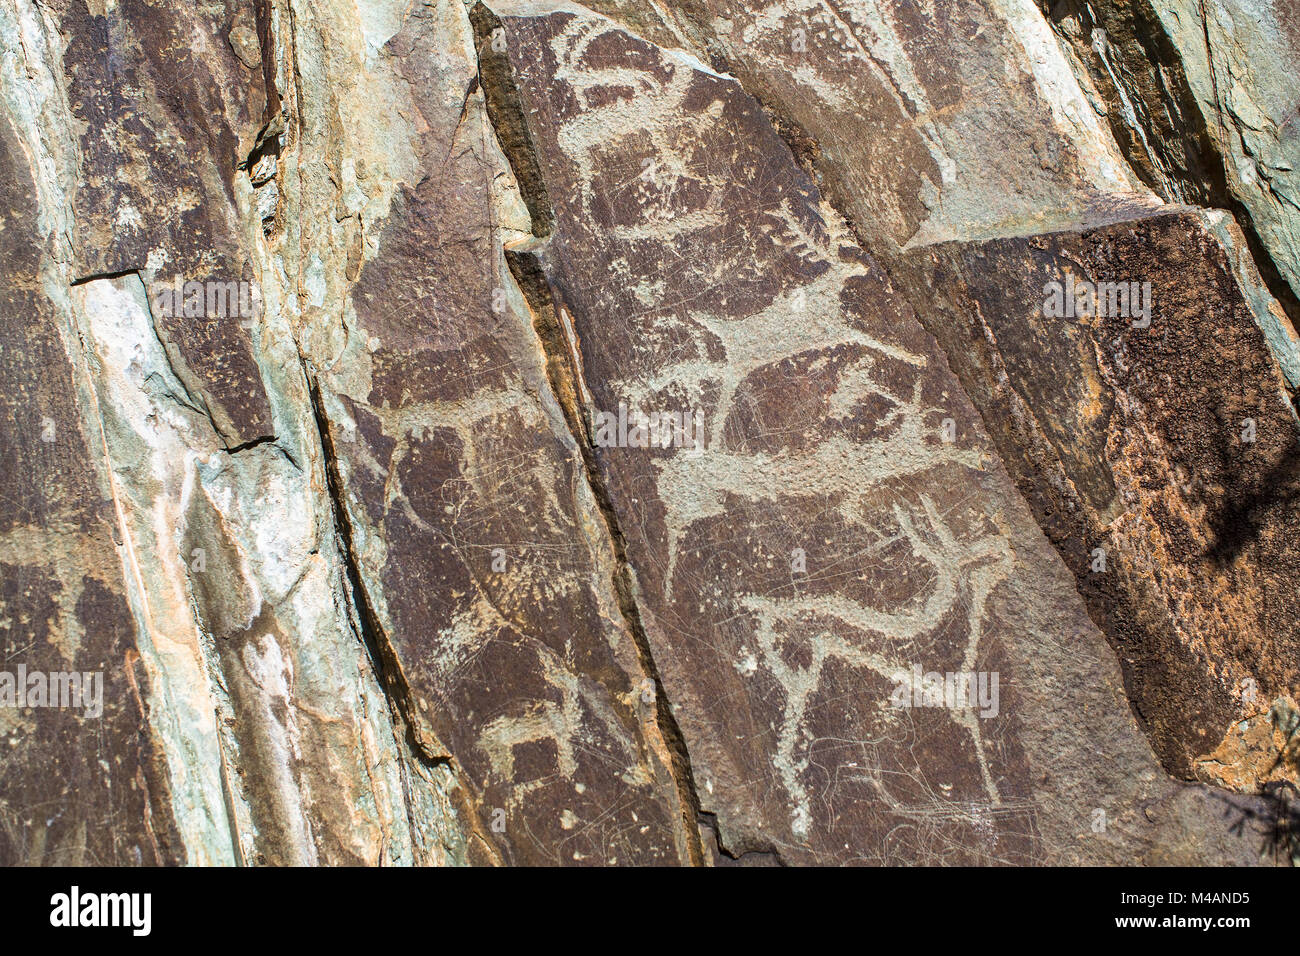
[76, 787]
[696, 269]
[482, 558]
[1160, 460]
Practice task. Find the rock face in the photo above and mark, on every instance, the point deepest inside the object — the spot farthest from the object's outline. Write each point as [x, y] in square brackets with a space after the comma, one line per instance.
[1202, 98]
[518, 432]
[1158, 450]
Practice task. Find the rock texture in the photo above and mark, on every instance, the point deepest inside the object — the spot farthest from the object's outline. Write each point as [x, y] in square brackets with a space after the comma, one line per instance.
[1159, 459]
[526, 433]
[1201, 97]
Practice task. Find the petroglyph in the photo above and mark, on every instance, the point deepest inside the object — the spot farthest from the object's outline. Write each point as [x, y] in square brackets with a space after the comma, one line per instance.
[620, 458]
[779, 285]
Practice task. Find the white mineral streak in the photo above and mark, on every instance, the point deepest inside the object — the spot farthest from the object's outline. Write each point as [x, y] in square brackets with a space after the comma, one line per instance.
[183, 709]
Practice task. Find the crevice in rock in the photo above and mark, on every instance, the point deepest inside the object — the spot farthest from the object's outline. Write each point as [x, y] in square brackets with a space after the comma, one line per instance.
[383, 658]
[760, 857]
[267, 144]
[195, 400]
[262, 163]
[266, 43]
[428, 751]
[804, 148]
[427, 772]
[506, 115]
[505, 112]
[529, 273]
[251, 443]
[98, 276]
